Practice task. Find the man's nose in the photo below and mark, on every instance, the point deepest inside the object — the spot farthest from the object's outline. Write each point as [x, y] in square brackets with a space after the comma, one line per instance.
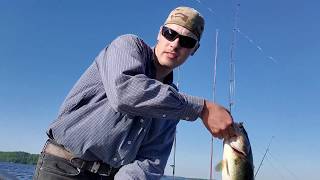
[175, 44]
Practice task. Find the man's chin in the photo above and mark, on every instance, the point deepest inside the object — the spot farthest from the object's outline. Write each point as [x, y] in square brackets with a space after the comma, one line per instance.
[169, 64]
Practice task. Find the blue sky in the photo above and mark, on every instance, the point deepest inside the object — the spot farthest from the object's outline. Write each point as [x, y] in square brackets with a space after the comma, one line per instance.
[46, 45]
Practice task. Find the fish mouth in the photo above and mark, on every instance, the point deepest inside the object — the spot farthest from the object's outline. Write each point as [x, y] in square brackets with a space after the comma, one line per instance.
[239, 152]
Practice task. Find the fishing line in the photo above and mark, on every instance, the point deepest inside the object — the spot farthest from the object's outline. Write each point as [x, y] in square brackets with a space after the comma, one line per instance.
[250, 40]
[283, 166]
[256, 45]
[264, 156]
[269, 159]
[276, 169]
[208, 8]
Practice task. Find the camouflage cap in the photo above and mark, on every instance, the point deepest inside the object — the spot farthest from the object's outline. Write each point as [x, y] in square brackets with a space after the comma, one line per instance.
[187, 17]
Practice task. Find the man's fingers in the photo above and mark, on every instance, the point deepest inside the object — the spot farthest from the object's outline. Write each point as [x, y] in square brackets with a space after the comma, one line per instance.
[216, 133]
[228, 132]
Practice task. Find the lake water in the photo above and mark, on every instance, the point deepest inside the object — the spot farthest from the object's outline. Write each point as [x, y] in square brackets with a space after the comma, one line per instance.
[13, 171]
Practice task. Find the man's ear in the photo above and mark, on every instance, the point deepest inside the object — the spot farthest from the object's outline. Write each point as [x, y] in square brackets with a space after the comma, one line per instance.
[195, 49]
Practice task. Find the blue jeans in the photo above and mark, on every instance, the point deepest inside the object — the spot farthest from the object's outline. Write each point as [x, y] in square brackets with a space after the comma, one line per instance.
[51, 167]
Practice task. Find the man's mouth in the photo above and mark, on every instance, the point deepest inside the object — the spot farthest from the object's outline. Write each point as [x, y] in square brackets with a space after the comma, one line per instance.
[171, 55]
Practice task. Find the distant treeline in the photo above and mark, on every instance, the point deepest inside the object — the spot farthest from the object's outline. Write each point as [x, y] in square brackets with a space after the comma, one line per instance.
[19, 157]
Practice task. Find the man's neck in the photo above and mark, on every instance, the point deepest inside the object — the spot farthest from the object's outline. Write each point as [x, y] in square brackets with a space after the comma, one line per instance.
[161, 71]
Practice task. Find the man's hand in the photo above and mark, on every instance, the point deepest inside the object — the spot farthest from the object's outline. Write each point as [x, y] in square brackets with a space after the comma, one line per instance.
[217, 120]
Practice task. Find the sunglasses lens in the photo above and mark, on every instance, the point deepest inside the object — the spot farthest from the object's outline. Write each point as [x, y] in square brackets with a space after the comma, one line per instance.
[187, 42]
[169, 34]
[184, 41]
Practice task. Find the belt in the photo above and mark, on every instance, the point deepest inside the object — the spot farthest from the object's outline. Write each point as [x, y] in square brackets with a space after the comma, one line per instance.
[97, 167]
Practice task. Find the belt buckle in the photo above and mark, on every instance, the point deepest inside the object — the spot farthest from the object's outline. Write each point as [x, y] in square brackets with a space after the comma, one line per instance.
[79, 165]
[72, 162]
[108, 172]
[95, 167]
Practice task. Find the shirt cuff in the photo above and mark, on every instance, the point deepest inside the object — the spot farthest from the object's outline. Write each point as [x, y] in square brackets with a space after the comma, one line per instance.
[193, 108]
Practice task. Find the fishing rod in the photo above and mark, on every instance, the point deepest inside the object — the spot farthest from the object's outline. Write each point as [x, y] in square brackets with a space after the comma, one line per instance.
[174, 155]
[213, 97]
[232, 75]
[244, 35]
[175, 138]
[264, 156]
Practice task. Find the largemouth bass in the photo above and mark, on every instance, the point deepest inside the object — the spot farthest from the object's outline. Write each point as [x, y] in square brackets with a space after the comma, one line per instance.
[237, 163]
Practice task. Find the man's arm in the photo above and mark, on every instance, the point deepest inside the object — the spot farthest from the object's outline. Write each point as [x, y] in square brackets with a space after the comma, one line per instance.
[153, 154]
[123, 68]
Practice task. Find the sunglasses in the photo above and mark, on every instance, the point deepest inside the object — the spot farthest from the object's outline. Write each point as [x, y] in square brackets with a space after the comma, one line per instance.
[184, 41]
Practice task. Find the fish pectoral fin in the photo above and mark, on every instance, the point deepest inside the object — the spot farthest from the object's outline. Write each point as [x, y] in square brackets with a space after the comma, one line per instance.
[227, 167]
[221, 165]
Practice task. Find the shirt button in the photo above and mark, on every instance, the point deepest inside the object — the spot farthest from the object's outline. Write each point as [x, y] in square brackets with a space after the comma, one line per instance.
[157, 161]
[187, 118]
[164, 116]
[115, 159]
[129, 142]
[141, 120]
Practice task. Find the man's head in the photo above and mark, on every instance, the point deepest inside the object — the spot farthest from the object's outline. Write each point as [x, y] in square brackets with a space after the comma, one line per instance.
[188, 18]
[179, 37]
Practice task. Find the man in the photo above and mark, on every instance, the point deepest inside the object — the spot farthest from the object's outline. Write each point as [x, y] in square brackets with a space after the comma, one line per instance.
[119, 120]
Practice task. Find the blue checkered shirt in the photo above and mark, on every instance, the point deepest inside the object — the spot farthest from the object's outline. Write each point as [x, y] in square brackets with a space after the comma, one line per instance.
[118, 113]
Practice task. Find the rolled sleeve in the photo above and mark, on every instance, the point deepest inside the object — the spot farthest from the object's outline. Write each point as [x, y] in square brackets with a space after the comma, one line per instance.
[193, 108]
